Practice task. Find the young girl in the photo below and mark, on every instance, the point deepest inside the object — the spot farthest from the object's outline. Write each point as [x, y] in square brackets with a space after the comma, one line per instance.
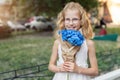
[73, 46]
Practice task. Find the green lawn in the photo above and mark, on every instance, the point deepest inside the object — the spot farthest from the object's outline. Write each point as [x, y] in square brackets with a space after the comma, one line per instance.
[24, 51]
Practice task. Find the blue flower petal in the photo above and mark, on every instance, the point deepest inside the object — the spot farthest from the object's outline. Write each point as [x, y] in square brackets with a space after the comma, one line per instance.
[74, 37]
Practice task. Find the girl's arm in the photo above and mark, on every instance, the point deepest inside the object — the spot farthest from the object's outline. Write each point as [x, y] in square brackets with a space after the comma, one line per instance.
[52, 63]
[52, 67]
[93, 70]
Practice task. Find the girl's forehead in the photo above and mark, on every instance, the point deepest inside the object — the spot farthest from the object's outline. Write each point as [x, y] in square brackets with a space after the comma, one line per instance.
[74, 12]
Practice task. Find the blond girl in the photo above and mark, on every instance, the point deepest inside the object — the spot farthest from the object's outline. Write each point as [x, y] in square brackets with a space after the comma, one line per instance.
[73, 48]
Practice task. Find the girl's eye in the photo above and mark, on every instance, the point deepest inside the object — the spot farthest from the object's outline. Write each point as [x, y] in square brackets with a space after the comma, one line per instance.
[74, 20]
[67, 19]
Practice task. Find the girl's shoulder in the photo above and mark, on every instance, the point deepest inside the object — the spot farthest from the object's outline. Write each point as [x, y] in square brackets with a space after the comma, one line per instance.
[90, 43]
[57, 42]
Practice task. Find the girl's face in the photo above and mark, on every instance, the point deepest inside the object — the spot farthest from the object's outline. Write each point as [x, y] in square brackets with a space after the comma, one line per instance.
[72, 19]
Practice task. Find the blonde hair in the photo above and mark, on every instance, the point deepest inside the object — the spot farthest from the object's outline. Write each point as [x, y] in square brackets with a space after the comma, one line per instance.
[85, 23]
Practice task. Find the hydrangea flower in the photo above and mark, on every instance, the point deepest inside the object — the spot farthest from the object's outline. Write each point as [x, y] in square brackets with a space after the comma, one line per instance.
[74, 37]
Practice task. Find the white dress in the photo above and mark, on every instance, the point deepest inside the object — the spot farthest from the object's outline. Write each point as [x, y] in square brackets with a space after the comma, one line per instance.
[81, 60]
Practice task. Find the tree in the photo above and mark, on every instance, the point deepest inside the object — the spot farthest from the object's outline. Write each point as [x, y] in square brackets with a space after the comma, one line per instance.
[88, 4]
[27, 8]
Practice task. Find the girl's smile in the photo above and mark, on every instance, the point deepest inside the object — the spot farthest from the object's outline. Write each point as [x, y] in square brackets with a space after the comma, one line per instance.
[71, 27]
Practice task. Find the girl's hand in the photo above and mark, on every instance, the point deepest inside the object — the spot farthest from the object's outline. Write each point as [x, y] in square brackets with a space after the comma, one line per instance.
[61, 68]
[70, 67]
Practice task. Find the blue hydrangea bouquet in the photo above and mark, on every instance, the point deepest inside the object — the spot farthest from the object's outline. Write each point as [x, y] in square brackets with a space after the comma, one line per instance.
[74, 37]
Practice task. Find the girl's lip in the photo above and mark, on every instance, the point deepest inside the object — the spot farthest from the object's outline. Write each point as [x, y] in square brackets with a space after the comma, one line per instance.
[71, 27]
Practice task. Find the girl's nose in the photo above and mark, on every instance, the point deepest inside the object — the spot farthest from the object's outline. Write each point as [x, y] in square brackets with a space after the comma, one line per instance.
[71, 22]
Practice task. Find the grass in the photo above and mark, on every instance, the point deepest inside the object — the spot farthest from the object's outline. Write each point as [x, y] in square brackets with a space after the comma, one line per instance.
[105, 45]
[113, 31]
[24, 51]
[19, 52]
